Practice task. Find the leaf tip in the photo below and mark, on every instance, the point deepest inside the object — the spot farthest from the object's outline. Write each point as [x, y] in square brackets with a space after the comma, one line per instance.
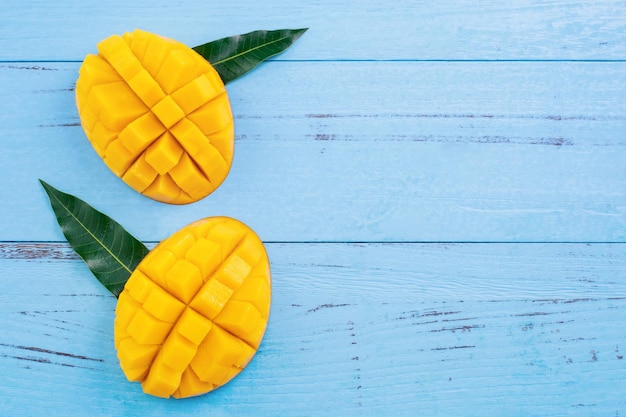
[47, 187]
[299, 32]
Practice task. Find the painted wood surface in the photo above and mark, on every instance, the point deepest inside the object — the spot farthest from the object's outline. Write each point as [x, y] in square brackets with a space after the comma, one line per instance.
[440, 186]
[355, 329]
[377, 30]
[343, 152]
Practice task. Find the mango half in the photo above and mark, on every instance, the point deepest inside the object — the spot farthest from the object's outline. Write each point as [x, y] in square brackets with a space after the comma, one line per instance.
[158, 114]
[194, 311]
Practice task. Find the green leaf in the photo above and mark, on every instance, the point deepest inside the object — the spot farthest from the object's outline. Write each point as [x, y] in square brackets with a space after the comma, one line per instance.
[109, 251]
[234, 56]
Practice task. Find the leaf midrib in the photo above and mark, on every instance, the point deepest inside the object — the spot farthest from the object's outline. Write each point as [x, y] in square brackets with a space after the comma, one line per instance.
[92, 235]
[247, 51]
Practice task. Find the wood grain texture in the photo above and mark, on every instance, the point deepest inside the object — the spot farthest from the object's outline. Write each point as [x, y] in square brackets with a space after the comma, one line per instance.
[408, 165]
[379, 30]
[339, 152]
[372, 329]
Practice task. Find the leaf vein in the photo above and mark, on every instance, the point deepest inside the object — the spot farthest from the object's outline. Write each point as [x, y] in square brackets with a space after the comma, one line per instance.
[94, 237]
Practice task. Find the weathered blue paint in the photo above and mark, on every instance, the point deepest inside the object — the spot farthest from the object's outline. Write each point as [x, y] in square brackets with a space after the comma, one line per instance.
[441, 187]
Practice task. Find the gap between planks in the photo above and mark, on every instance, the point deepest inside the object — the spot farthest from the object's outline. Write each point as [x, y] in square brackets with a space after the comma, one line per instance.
[63, 250]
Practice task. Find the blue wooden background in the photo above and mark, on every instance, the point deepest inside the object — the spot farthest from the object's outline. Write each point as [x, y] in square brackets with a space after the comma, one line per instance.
[441, 187]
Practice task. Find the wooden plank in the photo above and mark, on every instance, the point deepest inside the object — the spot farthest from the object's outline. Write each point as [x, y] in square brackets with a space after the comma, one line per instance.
[381, 30]
[335, 151]
[356, 329]
[405, 121]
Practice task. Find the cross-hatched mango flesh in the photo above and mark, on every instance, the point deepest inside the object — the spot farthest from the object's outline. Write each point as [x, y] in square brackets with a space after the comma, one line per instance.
[158, 114]
[194, 311]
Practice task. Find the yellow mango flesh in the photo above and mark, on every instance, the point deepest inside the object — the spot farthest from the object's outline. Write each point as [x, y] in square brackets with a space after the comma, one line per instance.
[158, 114]
[194, 311]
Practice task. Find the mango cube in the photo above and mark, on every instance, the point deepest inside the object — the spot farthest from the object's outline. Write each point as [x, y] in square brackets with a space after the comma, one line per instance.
[147, 98]
[193, 313]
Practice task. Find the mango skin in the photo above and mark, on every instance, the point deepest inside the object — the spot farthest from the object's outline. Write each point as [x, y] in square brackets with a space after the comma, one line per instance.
[158, 115]
[193, 313]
